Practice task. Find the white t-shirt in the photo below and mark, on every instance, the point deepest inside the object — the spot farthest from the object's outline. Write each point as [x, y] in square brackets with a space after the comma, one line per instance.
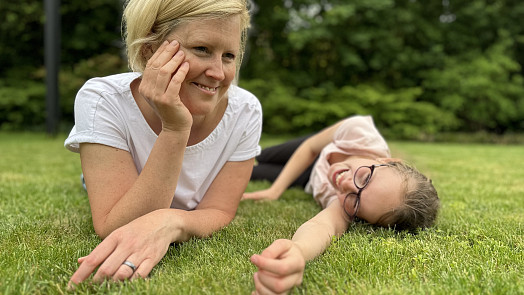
[106, 113]
[356, 136]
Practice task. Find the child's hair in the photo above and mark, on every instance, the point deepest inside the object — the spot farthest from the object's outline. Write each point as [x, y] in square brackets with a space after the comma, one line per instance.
[421, 202]
[146, 24]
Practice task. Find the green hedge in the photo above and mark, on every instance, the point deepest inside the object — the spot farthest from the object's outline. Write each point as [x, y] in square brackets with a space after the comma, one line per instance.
[311, 63]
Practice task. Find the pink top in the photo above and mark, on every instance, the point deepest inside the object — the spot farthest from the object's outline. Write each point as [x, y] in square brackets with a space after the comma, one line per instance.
[356, 136]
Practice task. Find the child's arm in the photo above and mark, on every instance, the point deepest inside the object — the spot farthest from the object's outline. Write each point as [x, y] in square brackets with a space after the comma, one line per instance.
[281, 265]
[297, 164]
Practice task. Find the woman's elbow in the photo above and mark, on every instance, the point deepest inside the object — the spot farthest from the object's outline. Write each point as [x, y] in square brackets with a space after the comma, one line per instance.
[102, 229]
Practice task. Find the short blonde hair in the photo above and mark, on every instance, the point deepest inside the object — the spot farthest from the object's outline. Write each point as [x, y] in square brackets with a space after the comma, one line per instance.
[146, 23]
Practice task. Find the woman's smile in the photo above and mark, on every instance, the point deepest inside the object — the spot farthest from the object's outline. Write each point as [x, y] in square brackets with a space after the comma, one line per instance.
[206, 89]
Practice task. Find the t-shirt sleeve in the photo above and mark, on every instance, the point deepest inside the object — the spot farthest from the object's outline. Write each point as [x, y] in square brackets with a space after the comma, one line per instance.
[358, 135]
[248, 146]
[98, 119]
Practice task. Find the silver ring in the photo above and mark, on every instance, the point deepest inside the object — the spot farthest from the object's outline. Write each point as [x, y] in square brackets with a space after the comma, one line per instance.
[130, 264]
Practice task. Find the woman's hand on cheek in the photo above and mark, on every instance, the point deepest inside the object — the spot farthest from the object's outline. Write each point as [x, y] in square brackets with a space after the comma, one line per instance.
[160, 86]
[142, 242]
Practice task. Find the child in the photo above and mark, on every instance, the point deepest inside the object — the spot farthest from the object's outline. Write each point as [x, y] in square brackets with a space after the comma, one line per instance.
[353, 177]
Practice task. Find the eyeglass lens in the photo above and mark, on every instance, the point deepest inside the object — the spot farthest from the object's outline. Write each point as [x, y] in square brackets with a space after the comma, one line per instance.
[362, 176]
[350, 204]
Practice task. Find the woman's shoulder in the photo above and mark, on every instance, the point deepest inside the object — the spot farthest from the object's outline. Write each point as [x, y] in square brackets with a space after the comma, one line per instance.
[239, 97]
[117, 83]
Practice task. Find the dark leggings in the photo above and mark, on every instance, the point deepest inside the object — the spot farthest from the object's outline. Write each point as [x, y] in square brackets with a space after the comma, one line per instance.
[272, 160]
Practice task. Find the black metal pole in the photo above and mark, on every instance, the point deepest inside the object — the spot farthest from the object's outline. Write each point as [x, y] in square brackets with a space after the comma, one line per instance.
[52, 63]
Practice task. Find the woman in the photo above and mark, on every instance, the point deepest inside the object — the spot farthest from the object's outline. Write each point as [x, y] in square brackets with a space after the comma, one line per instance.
[352, 177]
[166, 150]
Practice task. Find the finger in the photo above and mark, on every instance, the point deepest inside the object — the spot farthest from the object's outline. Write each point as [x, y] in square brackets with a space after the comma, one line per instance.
[150, 70]
[92, 261]
[277, 248]
[111, 265]
[250, 196]
[124, 272]
[167, 82]
[177, 80]
[279, 285]
[158, 51]
[260, 288]
[81, 259]
[254, 196]
[144, 269]
[279, 267]
[162, 55]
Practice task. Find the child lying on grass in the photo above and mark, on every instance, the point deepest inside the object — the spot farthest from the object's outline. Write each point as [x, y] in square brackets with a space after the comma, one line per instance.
[352, 177]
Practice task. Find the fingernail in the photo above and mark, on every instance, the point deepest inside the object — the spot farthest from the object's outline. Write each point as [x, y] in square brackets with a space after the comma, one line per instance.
[174, 42]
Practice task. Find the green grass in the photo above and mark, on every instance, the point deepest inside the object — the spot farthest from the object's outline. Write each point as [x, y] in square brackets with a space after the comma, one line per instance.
[476, 247]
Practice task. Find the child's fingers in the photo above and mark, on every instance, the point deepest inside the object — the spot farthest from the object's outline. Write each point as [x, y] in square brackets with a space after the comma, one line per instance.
[253, 196]
[277, 248]
[278, 284]
[279, 267]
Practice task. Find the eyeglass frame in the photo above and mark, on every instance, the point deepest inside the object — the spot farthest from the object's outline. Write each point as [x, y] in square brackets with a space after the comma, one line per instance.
[360, 189]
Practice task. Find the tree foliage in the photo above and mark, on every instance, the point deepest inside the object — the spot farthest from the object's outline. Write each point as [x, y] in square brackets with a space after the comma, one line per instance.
[464, 60]
[419, 67]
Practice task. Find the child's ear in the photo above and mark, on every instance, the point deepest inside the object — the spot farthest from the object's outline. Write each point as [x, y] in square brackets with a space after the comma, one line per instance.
[387, 160]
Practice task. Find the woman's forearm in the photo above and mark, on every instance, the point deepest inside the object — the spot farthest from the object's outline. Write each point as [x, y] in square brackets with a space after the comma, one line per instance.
[185, 225]
[154, 187]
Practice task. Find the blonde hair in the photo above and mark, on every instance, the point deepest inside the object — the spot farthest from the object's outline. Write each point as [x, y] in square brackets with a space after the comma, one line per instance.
[421, 202]
[146, 23]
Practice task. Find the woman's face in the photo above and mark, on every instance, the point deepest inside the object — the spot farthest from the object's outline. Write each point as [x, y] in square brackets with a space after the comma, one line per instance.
[211, 47]
[383, 193]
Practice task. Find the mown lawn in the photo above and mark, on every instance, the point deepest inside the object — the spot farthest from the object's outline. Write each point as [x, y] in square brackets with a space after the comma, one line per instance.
[476, 247]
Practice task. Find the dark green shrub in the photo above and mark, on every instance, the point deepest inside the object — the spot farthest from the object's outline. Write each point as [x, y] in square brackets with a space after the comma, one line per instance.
[22, 108]
[397, 113]
[484, 90]
[23, 101]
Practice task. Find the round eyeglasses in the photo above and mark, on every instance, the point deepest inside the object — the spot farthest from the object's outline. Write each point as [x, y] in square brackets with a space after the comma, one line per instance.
[361, 179]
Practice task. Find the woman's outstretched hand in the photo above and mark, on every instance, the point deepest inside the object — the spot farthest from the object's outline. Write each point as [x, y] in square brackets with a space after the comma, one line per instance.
[267, 194]
[142, 242]
[280, 268]
[160, 86]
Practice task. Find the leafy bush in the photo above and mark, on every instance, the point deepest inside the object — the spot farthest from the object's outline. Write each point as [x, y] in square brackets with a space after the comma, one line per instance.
[397, 113]
[484, 90]
[468, 72]
[313, 62]
[23, 102]
[22, 108]
[89, 28]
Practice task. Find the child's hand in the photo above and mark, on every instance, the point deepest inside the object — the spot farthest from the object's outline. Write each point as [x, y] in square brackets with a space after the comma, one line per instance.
[266, 194]
[280, 268]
